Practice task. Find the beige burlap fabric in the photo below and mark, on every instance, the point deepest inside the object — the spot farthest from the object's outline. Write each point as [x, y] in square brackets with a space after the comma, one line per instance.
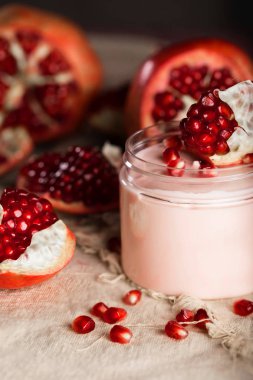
[36, 341]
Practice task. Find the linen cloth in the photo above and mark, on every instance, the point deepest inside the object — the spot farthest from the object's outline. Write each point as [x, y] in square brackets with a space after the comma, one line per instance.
[36, 341]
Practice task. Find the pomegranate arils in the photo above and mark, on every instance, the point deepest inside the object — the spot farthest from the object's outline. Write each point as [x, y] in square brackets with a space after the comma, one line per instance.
[28, 39]
[23, 215]
[99, 309]
[53, 64]
[209, 129]
[221, 79]
[166, 106]
[114, 314]
[83, 324]
[176, 331]
[82, 174]
[173, 142]
[200, 315]
[132, 297]
[170, 155]
[120, 334]
[248, 158]
[243, 307]
[185, 316]
[188, 80]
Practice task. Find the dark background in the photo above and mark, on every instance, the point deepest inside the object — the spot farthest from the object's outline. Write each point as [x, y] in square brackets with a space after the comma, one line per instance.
[174, 20]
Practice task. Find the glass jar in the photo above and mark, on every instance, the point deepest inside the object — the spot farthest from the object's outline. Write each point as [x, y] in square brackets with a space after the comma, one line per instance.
[190, 234]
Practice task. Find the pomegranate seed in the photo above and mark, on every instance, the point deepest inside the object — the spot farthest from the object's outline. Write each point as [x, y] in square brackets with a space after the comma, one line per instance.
[225, 111]
[83, 324]
[209, 115]
[173, 142]
[243, 307]
[205, 139]
[185, 316]
[201, 314]
[99, 309]
[194, 125]
[222, 147]
[132, 297]
[176, 331]
[248, 158]
[176, 168]
[114, 314]
[170, 155]
[120, 334]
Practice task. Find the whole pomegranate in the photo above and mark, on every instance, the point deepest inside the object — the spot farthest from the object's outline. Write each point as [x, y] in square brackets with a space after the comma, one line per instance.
[168, 82]
[48, 72]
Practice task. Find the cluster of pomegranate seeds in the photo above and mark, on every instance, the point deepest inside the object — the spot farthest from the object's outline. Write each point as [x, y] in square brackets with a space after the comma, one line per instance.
[243, 307]
[82, 174]
[54, 63]
[132, 297]
[8, 63]
[166, 106]
[83, 324]
[120, 334]
[176, 330]
[209, 124]
[221, 79]
[28, 39]
[188, 80]
[23, 215]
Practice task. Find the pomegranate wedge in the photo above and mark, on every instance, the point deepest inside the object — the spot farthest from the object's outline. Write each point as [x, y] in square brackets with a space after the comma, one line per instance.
[34, 243]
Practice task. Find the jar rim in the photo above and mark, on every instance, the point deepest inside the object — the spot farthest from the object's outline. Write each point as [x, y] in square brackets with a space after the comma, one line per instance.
[133, 160]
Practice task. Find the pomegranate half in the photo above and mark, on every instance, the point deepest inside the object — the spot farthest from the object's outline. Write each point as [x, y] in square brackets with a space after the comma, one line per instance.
[48, 72]
[78, 181]
[34, 243]
[172, 79]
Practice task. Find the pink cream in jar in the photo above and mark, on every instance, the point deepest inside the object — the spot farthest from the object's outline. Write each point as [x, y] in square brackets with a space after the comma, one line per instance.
[190, 234]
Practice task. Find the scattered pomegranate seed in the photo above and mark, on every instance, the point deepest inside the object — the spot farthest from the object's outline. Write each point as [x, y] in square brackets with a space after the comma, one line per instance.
[120, 334]
[99, 309]
[185, 315]
[176, 331]
[132, 297]
[201, 314]
[243, 307]
[83, 324]
[114, 314]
